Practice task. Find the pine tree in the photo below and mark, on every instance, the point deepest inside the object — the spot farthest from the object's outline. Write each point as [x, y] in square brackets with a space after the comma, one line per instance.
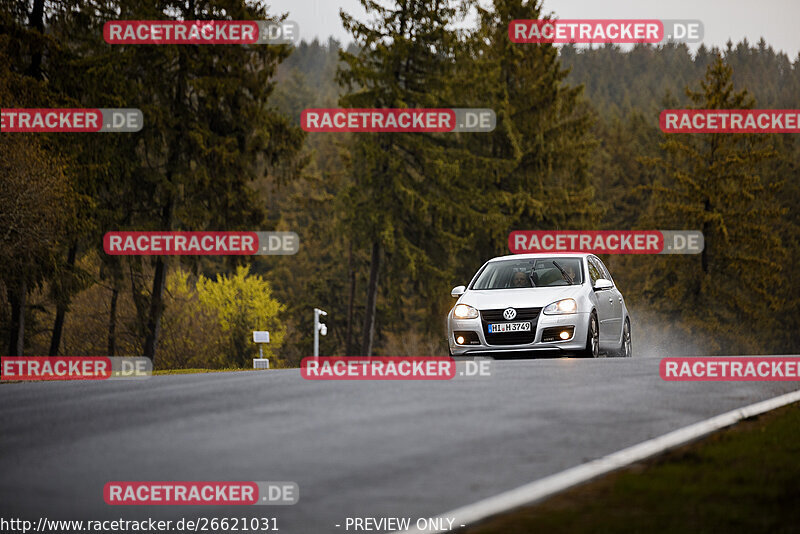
[208, 134]
[716, 183]
[403, 204]
[538, 174]
[39, 202]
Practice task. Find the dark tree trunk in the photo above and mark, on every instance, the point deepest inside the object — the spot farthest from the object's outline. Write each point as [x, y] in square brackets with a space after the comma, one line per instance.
[112, 322]
[61, 307]
[156, 309]
[157, 295]
[351, 274]
[139, 300]
[372, 299]
[706, 230]
[16, 338]
[36, 21]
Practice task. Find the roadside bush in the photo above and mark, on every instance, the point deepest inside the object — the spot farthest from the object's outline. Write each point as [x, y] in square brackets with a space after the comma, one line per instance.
[209, 323]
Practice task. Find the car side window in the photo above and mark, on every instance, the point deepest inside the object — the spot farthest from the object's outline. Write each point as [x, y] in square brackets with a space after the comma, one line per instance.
[604, 270]
[598, 265]
[594, 274]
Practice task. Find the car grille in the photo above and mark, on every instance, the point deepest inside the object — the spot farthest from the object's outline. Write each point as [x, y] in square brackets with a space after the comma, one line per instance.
[510, 338]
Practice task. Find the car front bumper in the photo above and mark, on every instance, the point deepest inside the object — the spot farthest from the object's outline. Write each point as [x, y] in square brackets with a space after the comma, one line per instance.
[580, 322]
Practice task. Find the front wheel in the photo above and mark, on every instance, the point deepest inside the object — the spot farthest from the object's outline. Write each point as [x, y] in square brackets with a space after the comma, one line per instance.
[592, 339]
[625, 348]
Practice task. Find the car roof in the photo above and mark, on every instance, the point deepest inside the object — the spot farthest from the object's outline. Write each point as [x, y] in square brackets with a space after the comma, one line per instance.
[542, 255]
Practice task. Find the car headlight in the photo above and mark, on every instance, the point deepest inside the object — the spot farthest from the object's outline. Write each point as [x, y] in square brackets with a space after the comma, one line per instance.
[463, 311]
[561, 306]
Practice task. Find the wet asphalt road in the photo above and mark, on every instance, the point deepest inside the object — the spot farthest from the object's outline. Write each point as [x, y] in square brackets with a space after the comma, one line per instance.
[356, 448]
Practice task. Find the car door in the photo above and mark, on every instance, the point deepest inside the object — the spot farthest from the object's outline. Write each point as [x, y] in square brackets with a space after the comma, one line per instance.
[605, 302]
[615, 322]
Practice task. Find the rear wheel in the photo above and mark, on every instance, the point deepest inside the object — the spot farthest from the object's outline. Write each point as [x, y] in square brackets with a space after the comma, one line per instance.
[592, 339]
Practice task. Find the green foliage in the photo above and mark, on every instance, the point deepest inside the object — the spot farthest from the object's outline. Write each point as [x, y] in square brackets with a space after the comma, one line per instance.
[327, 265]
[405, 201]
[715, 183]
[210, 323]
[36, 202]
[243, 303]
[619, 81]
[306, 79]
[191, 333]
[438, 205]
[547, 166]
[647, 180]
[542, 145]
[577, 146]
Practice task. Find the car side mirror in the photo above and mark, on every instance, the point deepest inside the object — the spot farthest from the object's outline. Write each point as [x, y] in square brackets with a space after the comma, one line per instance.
[458, 291]
[603, 283]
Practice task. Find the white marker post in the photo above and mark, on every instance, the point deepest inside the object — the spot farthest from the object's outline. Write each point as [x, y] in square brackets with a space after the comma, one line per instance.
[319, 328]
[260, 337]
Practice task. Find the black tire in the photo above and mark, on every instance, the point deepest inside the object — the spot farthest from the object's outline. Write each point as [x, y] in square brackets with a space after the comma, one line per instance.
[625, 349]
[592, 349]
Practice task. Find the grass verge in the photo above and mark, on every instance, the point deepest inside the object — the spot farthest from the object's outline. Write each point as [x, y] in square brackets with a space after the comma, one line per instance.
[195, 371]
[155, 373]
[744, 479]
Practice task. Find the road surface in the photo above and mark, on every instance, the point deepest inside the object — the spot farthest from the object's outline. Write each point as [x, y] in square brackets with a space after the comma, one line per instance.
[356, 448]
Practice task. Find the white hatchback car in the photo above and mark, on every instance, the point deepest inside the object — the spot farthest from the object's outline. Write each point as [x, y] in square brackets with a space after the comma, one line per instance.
[526, 304]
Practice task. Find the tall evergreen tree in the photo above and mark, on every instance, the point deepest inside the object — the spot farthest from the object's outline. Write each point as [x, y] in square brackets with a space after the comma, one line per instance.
[403, 204]
[89, 73]
[538, 174]
[26, 72]
[209, 132]
[716, 183]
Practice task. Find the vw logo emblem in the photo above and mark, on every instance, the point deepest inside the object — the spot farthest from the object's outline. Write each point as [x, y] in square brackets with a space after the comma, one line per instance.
[509, 313]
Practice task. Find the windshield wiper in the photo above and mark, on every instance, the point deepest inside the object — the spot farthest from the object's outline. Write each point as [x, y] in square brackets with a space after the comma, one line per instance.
[567, 277]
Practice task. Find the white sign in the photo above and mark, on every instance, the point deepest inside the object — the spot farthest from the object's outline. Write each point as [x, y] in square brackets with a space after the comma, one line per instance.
[260, 336]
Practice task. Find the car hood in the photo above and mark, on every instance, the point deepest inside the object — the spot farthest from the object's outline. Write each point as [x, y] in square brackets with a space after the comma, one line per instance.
[536, 297]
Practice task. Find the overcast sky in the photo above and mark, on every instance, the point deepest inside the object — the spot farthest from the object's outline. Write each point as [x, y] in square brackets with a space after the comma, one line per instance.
[775, 20]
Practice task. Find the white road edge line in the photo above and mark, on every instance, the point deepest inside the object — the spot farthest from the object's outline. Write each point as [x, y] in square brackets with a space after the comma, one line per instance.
[550, 485]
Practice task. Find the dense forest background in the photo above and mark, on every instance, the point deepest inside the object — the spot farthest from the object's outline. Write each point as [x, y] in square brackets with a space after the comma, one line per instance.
[388, 223]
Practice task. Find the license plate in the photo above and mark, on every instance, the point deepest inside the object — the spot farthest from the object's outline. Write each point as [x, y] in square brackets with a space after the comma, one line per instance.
[509, 327]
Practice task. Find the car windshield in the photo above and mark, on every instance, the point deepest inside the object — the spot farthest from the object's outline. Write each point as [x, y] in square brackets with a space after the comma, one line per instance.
[539, 272]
